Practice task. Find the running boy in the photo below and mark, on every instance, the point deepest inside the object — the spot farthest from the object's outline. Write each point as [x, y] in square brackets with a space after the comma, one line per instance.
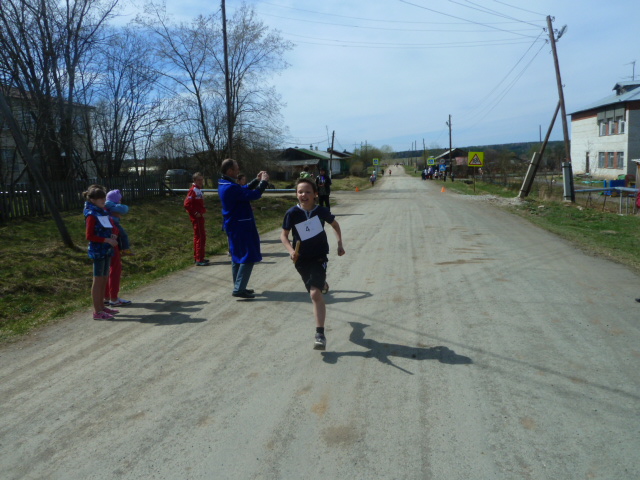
[310, 248]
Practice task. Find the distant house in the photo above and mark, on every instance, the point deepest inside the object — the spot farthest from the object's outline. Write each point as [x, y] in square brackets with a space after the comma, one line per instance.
[605, 136]
[292, 160]
[458, 157]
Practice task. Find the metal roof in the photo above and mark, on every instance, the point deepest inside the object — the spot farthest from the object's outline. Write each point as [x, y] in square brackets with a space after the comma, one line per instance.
[615, 99]
[315, 153]
[296, 163]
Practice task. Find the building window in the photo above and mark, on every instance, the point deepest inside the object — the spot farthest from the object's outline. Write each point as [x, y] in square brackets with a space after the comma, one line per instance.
[611, 160]
[612, 127]
[9, 166]
[622, 126]
[603, 128]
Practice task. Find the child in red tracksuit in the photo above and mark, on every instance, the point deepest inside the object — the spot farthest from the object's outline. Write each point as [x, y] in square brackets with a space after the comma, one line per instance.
[194, 205]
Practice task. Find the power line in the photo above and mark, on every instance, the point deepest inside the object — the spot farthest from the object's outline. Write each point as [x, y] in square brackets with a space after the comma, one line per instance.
[478, 105]
[359, 44]
[457, 18]
[519, 8]
[490, 11]
[368, 19]
[360, 27]
[508, 89]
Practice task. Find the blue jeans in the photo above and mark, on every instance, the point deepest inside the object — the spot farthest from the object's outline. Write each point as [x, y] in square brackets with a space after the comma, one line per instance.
[241, 274]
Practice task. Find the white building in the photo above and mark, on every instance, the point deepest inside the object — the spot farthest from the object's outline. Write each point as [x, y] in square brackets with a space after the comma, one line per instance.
[605, 136]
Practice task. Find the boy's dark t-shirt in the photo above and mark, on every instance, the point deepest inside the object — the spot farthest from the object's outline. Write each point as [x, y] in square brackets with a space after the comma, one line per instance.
[317, 246]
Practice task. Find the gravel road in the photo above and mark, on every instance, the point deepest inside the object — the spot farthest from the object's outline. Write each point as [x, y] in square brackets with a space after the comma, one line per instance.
[463, 343]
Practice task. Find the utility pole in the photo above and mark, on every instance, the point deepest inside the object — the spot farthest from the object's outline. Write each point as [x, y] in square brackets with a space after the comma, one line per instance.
[633, 70]
[450, 148]
[333, 136]
[227, 82]
[535, 160]
[569, 193]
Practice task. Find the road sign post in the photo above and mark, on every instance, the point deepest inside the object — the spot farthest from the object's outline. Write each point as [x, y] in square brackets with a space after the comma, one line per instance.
[475, 159]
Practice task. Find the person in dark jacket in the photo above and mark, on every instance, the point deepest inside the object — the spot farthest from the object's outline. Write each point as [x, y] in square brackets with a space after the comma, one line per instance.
[240, 224]
[323, 181]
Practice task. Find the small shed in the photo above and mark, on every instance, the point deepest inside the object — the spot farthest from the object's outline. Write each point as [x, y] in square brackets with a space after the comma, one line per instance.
[292, 160]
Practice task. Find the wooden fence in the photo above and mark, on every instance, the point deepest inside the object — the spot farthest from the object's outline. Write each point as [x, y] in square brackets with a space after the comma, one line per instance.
[25, 200]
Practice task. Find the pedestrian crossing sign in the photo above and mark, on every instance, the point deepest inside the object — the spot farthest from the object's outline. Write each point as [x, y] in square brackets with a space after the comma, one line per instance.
[476, 159]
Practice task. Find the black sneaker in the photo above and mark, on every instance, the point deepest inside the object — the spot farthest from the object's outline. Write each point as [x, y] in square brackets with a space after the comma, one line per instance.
[244, 294]
[320, 343]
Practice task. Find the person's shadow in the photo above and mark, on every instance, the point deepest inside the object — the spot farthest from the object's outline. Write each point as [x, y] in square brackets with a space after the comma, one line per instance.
[382, 351]
[163, 312]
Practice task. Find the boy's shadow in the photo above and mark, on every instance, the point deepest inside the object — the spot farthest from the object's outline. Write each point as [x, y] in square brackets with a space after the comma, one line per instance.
[331, 297]
[382, 351]
[164, 312]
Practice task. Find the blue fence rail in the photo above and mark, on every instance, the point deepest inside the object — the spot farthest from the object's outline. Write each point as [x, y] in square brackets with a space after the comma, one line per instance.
[627, 194]
[25, 200]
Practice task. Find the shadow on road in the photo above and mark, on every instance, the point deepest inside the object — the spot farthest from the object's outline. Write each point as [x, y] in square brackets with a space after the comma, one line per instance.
[382, 351]
[164, 312]
[334, 296]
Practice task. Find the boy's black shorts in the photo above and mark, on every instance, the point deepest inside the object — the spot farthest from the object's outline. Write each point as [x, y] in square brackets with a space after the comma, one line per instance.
[313, 271]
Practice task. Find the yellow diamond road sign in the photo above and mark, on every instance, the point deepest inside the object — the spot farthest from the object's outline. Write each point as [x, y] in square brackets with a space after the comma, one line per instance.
[476, 159]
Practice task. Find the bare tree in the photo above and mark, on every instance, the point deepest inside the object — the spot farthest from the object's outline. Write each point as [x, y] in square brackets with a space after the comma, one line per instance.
[44, 46]
[183, 50]
[194, 61]
[255, 53]
[127, 103]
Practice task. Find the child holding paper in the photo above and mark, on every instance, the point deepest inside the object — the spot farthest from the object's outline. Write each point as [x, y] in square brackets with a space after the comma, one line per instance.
[310, 248]
[102, 235]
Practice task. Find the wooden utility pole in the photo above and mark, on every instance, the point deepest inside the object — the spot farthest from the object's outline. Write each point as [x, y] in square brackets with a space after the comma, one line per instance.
[227, 82]
[5, 110]
[450, 147]
[565, 128]
[535, 160]
[333, 137]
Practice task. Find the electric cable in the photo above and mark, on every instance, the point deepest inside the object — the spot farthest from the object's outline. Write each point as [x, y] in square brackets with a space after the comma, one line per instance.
[456, 17]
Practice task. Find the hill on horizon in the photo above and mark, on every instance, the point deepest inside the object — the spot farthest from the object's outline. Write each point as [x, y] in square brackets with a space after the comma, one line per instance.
[518, 148]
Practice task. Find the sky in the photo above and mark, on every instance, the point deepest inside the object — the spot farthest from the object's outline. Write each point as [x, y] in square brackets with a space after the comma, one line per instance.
[390, 72]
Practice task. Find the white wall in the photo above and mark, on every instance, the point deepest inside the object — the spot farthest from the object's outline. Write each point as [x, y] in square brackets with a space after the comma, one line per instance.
[585, 137]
